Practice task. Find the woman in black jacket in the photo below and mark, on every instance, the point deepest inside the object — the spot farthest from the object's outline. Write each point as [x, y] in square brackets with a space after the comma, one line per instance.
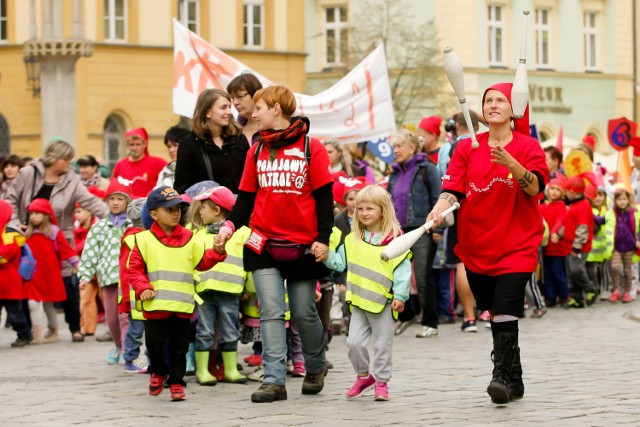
[216, 148]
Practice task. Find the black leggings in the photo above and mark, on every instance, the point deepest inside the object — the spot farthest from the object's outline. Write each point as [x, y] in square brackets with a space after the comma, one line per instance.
[503, 294]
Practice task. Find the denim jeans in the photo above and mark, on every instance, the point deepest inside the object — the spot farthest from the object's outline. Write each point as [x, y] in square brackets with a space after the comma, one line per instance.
[133, 339]
[221, 307]
[270, 288]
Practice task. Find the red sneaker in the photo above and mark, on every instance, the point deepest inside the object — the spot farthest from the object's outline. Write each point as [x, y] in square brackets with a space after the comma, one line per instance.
[627, 297]
[177, 392]
[156, 383]
[253, 360]
[361, 385]
[615, 296]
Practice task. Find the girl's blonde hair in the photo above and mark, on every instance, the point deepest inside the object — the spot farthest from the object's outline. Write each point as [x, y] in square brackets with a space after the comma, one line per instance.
[44, 228]
[193, 215]
[378, 196]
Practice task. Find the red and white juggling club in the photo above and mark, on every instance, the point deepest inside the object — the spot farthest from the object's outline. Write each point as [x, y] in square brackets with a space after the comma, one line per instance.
[455, 73]
[520, 90]
[403, 243]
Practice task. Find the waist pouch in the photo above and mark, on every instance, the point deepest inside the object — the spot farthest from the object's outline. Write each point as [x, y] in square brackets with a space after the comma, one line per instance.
[284, 250]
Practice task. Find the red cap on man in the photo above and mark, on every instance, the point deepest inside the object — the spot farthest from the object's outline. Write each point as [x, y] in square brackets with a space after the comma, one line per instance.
[431, 124]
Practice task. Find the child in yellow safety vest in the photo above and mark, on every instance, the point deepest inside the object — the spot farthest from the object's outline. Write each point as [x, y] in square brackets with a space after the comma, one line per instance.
[219, 288]
[161, 268]
[376, 289]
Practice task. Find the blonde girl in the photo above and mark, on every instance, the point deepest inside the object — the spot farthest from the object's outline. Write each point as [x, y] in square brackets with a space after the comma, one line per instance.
[376, 290]
[624, 221]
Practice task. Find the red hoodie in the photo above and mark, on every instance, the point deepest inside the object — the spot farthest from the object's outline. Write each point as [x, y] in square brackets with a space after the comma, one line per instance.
[10, 282]
[555, 213]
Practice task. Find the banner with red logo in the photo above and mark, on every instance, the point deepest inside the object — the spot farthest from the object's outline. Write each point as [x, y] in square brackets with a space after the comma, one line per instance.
[357, 108]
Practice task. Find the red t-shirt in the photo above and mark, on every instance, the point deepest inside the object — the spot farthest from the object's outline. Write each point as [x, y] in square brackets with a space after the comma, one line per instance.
[284, 206]
[140, 176]
[499, 225]
[555, 212]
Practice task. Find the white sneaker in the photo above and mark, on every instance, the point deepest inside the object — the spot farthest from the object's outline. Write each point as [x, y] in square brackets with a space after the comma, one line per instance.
[257, 375]
[427, 332]
[402, 326]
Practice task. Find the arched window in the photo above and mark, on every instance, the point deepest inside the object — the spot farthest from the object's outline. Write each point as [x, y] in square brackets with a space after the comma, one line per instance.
[5, 137]
[113, 137]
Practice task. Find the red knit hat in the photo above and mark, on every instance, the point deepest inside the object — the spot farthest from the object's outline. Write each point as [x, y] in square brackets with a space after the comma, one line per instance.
[115, 187]
[141, 132]
[431, 124]
[43, 206]
[559, 181]
[520, 125]
[356, 183]
[577, 183]
[590, 141]
[100, 194]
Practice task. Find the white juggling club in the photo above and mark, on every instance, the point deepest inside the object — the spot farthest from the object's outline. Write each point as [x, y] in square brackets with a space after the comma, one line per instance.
[520, 90]
[403, 243]
[454, 72]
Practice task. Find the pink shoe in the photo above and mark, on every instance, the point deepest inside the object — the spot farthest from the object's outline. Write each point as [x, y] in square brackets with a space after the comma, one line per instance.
[298, 369]
[361, 385]
[627, 297]
[484, 316]
[382, 392]
[615, 296]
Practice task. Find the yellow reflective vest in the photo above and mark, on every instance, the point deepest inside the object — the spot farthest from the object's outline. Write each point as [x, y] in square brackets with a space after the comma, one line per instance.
[136, 314]
[599, 251]
[170, 272]
[228, 276]
[369, 278]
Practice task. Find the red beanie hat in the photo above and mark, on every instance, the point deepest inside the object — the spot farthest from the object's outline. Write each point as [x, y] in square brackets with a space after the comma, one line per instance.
[559, 181]
[339, 178]
[115, 187]
[590, 141]
[356, 183]
[520, 125]
[100, 194]
[141, 132]
[431, 124]
[43, 206]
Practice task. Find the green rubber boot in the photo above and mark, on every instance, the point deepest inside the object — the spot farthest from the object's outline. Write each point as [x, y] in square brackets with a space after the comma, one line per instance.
[231, 374]
[203, 376]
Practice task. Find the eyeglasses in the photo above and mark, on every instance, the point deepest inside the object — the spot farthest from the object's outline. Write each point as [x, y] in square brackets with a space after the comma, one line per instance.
[240, 95]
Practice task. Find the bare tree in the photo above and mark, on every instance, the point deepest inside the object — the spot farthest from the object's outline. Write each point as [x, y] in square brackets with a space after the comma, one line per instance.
[413, 57]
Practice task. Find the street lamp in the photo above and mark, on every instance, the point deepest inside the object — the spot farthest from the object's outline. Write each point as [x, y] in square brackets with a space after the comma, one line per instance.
[32, 64]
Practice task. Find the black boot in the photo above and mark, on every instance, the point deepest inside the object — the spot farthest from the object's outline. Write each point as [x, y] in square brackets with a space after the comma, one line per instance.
[503, 355]
[516, 386]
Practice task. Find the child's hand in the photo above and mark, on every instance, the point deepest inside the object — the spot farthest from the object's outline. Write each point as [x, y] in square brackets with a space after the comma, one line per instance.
[397, 305]
[82, 285]
[318, 296]
[555, 238]
[147, 295]
[320, 250]
[342, 288]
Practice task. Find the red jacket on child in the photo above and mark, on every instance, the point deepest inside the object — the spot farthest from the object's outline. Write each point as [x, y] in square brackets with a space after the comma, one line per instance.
[578, 228]
[555, 213]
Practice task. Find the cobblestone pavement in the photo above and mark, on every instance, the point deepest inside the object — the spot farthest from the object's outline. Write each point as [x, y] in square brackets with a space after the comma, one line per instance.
[581, 367]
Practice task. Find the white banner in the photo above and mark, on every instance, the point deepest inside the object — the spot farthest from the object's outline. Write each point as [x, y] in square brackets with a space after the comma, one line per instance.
[357, 108]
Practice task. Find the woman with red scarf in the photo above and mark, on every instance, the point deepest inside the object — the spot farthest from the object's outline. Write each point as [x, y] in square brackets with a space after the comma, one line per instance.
[500, 226]
[285, 196]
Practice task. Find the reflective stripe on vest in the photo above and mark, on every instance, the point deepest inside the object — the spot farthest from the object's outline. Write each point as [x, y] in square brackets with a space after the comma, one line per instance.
[170, 272]
[228, 276]
[136, 314]
[369, 279]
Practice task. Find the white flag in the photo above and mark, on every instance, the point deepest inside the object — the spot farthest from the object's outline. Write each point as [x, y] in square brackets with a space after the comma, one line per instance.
[357, 108]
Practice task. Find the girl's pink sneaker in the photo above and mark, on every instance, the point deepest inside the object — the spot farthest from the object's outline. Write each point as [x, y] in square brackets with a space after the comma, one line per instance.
[382, 392]
[361, 385]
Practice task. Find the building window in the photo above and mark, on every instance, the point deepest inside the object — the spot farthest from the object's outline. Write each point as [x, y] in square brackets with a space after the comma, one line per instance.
[543, 29]
[496, 40]
[5, 137]
[113, 140]
[115, 19]
[188, 14]
[3, 20]
[253, 23]
[590, 41]
[335, 35]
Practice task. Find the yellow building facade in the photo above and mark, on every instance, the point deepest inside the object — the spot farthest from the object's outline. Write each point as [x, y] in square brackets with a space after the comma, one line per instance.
[106, 66]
